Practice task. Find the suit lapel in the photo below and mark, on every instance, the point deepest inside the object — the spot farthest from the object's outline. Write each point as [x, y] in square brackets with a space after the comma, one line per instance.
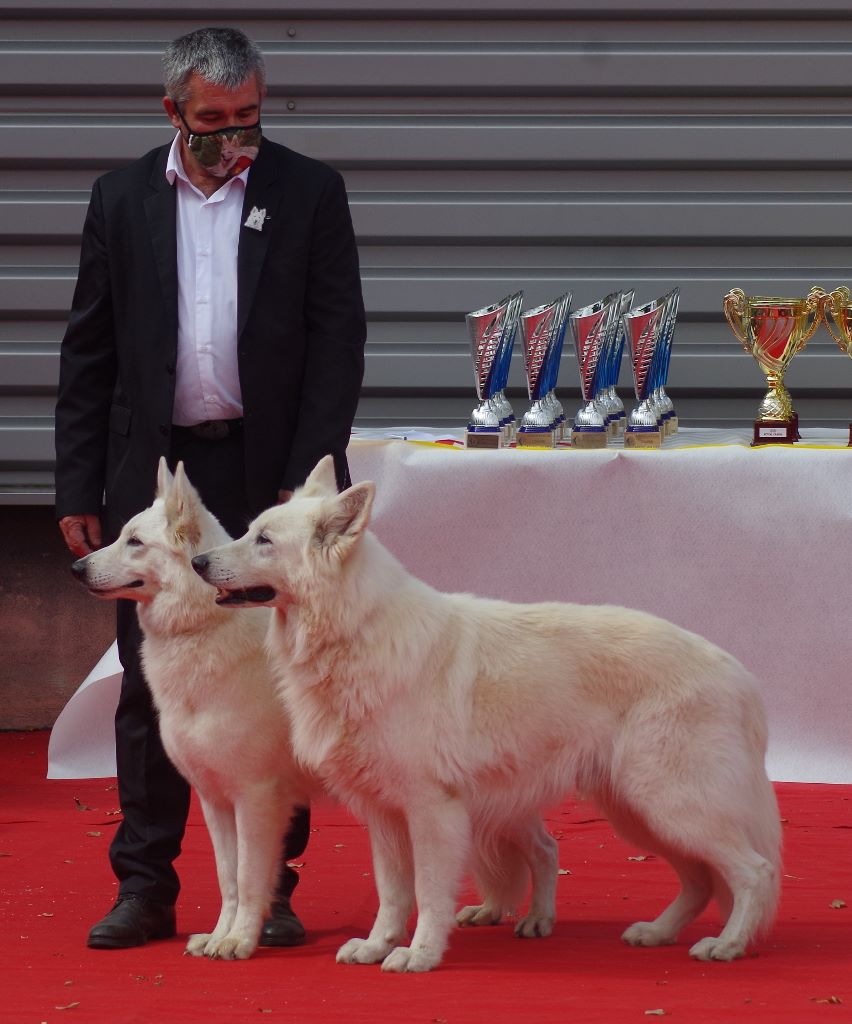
[161, 213]
[263, 193]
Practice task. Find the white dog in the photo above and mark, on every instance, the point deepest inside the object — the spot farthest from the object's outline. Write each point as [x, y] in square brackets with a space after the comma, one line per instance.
[448, 722]
[220, 721]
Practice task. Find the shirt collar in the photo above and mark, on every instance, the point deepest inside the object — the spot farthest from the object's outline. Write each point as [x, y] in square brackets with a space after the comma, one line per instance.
[175, 169]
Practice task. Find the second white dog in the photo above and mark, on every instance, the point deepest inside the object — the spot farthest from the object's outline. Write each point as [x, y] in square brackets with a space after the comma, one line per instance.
[448, 722]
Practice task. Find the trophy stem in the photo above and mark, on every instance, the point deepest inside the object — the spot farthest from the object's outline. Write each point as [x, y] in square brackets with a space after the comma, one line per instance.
[777, 422]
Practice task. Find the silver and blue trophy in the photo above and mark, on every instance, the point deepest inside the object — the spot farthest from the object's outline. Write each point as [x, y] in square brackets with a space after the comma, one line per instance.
[492, 334]
[645, 330]
[543, 334]
[593, 328]
[609, 368]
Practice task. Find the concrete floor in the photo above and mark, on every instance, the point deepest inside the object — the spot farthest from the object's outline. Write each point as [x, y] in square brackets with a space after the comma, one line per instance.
[52, 632]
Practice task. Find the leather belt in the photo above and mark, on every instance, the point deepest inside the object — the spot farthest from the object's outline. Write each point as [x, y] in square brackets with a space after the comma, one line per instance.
[211, 430]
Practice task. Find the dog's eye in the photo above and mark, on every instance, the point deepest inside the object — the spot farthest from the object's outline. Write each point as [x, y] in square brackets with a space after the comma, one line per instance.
[134, 542]
[261, 538]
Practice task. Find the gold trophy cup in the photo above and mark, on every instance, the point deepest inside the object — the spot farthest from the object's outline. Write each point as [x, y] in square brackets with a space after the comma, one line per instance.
[773, 330]
[836, 306]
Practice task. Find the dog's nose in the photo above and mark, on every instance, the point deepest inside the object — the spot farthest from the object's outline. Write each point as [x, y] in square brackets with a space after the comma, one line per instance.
[78, 568]
[200, 564]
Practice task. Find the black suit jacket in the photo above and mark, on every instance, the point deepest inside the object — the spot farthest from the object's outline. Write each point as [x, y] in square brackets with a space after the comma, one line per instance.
[300, 343]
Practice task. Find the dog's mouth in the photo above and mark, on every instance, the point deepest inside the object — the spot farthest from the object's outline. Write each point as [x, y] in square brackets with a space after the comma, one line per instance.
[251, 595]
[106, 591]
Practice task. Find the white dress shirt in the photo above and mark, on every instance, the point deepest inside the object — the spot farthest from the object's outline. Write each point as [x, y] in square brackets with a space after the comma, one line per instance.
[207, 382]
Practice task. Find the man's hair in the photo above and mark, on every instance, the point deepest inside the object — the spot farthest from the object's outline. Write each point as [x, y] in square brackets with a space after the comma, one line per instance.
[222, 56]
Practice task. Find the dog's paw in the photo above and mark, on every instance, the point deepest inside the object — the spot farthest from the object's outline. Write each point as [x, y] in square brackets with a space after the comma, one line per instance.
[362, 951]
[534, 926]
[197, 944]
[483, 914]
[230, 947]
[716, 949]
[646, 933]
[407, 959]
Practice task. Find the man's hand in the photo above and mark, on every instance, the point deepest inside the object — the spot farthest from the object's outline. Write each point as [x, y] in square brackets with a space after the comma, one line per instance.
[284, 497]
[82, 534]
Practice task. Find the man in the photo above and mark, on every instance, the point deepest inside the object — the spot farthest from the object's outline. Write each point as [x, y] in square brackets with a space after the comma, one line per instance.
[217, 319]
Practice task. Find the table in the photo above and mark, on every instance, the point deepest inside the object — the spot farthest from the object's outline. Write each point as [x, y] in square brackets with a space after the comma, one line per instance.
[750, 547]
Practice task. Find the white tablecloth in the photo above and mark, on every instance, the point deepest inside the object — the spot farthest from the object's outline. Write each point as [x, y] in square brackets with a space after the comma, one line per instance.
[750, 547]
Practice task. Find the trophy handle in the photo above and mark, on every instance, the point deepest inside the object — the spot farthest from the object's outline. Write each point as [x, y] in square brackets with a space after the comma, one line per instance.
[735, 302]
[814, 305]
[832, 303]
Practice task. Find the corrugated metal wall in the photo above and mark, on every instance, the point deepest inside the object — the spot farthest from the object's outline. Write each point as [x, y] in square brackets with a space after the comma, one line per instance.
[486, 146]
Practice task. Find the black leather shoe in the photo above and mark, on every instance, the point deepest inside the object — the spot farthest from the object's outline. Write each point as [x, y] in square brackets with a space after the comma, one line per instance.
[282, 927]
[132, 922]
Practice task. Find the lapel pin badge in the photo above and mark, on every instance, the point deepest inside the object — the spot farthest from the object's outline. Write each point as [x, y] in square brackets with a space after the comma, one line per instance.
[256, 219]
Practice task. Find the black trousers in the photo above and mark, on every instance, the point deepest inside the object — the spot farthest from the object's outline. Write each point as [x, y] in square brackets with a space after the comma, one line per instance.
[153, 795]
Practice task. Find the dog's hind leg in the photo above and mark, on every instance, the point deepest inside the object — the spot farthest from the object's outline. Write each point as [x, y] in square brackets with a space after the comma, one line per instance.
[541, 853]
[696, 882]
[394, 874]
[223, 834]
[753, 883]
[501, 876]
[440, 831]
[727, 861]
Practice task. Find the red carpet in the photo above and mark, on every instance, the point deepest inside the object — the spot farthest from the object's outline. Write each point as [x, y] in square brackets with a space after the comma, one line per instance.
[56, 882]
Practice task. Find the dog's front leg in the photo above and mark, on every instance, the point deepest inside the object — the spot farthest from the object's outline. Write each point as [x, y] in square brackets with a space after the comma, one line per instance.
[262, 811]
[394, 874]
[223, 834]
[440, 831]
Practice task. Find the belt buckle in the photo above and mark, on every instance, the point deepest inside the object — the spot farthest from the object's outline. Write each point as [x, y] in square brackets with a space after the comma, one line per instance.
[215, 430]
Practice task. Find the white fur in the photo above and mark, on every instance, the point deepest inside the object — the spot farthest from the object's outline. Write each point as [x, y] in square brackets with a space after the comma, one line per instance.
[220, 721]
[448, 722]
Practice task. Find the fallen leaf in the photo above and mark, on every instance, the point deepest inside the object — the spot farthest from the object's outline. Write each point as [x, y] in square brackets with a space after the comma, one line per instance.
[70, 1006]
[833, 1000]
[655, 1013]
[45, 914]
[94, 835]
[80, 805]
[643, 856]
[295, 863]
[837, 904]
[563, 871]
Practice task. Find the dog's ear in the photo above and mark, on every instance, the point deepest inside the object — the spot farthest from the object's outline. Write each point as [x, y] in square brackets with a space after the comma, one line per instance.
[164, 478]
[183, 507]
[322, 480]
[344, 518]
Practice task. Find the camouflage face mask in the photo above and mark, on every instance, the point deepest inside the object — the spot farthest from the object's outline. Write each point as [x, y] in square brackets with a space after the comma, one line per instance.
[227, 151]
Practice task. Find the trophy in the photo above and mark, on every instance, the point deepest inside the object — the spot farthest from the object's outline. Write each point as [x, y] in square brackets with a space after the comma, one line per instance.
[543, 332]
[609, 367]
[644, 329]
[592, 328]
[836, 306]
[492, 334]
[773, 330]
[659, 399]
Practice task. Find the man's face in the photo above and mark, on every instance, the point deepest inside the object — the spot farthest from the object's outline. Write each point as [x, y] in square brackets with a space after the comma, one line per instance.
[209, 108]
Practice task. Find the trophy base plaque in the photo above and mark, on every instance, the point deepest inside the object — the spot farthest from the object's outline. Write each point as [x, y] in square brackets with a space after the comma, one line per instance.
[535, 439]
[589, 438]
[672, 426]
[774, 432]
[642, 438]
[483, 439]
